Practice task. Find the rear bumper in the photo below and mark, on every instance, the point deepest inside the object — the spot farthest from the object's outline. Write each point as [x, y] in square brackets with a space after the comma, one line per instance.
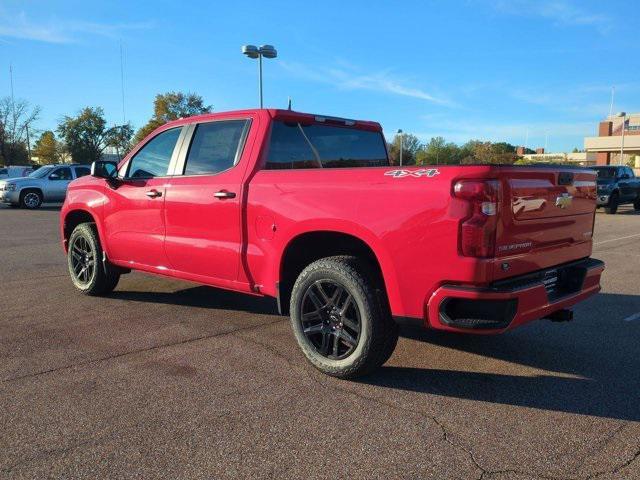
[512, 302]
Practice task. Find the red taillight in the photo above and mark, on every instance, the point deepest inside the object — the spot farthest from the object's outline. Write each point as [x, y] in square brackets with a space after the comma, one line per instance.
[478, 229]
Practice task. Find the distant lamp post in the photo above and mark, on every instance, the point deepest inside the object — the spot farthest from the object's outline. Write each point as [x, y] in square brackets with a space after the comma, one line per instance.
[623, 115]
[266, 51]
[400, 134]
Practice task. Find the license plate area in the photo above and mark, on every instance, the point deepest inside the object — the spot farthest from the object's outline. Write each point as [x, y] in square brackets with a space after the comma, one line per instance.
[558, 282]
[563, 281]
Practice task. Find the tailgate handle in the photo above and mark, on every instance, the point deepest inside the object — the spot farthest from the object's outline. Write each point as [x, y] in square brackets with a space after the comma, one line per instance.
[565, 178]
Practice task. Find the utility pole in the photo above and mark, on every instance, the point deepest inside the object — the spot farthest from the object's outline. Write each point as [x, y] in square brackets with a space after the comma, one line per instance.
[13, 100]
[546, 141]
[613, 91]
[122, 83]
[26, 126]
[624, 121]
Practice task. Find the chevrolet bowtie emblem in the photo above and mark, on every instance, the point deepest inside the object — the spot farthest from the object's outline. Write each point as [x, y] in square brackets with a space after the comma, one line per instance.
[564, 200]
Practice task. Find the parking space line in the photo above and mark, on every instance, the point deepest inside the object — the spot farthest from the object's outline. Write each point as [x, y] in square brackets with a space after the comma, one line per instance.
[616, 239]
[631, 318]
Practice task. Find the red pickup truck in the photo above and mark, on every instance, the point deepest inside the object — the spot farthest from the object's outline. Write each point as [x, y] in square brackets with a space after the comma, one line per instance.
[307, 209]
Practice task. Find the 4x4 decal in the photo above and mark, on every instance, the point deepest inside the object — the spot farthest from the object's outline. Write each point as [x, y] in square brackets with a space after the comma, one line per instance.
[423, 172]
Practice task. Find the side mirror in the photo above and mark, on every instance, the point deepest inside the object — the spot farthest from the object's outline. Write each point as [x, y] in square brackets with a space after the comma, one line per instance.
[624, 176]
[104, 169]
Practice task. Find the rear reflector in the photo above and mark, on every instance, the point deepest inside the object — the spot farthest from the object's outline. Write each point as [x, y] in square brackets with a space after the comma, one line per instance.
[478, 229]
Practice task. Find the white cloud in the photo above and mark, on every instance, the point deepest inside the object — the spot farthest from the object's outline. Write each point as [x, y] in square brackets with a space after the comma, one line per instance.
[349, 79]
[464, 130]
[560, 12]
[20, 26]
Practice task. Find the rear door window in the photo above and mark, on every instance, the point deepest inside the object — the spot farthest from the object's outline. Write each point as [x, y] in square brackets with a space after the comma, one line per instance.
[216, 147]
[294, 145]
[82, 171]
[153, 159]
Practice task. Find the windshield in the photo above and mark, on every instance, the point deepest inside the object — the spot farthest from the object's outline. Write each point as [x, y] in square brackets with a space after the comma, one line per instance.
[605, 172]
[41, 172]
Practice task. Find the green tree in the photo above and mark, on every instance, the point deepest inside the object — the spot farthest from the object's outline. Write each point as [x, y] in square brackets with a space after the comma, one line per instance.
[86, 135]
[410, 147]
[172, 106]
[47, 148]
[16, 119]
[438, 152]
[120, 139]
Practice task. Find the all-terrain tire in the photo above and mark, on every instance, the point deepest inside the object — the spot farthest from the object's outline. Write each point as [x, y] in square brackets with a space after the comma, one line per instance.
[612, 207]
[378, 332]
[84, 245]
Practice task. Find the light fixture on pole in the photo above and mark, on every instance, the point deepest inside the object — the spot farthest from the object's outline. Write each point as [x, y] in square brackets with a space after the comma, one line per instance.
[624, 121]
[400, 135]
[266, 51]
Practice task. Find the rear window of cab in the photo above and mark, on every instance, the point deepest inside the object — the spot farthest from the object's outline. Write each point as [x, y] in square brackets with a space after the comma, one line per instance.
[294, 146]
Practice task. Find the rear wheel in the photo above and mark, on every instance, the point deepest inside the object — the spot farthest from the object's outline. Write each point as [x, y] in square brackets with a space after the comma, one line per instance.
[612, 206]
[30, 199]
[339, 318]
[89, 273]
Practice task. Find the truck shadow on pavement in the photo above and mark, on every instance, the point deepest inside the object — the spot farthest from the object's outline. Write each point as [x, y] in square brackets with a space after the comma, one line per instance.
[589, 368]
[204, 297]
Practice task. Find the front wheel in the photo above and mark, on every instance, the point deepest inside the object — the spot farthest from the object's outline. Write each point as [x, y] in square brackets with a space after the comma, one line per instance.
[30, 199]
[612, 206]
[89, 273]
[340, 319]
[636, 204]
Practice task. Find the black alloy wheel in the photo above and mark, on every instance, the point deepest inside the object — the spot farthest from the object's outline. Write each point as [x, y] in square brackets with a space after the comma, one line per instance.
[330, 319]
[83, 260]
[90, 271]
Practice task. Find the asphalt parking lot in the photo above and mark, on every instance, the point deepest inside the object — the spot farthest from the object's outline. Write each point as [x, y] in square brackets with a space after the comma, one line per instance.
[166, 379]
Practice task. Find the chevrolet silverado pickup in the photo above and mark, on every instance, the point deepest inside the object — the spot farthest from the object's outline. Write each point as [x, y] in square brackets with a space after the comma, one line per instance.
[307, 209]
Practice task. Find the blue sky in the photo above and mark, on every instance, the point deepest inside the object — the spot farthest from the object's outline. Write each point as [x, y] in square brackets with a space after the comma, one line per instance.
[486, 69]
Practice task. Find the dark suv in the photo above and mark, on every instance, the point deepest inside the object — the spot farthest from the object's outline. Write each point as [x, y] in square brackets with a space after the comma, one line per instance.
[617, 185]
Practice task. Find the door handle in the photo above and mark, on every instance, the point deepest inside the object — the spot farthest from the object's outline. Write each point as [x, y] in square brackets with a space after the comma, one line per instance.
[224, 194]
[153, 193]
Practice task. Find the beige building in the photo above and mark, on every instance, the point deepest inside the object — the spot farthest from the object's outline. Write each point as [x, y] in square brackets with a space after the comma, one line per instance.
[576, 158]
[617, 134]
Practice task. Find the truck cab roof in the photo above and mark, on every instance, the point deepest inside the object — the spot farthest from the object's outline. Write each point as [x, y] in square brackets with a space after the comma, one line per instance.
[280, 114]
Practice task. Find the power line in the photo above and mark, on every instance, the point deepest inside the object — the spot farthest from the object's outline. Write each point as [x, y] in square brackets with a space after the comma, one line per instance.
[124, 117]
[13, 100]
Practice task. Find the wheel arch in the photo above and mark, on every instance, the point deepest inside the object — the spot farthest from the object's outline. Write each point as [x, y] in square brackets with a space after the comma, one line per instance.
[25, 190]
[311, 245]
[75, 217]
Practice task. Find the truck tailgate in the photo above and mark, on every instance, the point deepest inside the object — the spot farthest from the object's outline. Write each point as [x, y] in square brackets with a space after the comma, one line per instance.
[545, 209]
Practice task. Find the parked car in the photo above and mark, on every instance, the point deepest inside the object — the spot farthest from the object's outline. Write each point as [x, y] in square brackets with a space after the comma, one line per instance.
[47, 184]
[307, 209]
[617, 185]
[13, 171]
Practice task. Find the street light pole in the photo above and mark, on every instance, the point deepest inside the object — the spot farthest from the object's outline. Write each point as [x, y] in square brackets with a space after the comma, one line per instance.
[266, 51]
[400, 134]
[624, 119]
[260, 78]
